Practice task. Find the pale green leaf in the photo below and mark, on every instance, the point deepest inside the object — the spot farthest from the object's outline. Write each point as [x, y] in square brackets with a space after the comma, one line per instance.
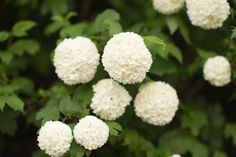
[114, 128]
[20, 28]
[172, 24]
[20, 47]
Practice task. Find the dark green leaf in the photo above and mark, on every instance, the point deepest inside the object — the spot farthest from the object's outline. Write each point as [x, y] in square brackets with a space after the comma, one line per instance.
[182, 142]
[8, 122]
[194, 120]
[48, 113]
[69, 107]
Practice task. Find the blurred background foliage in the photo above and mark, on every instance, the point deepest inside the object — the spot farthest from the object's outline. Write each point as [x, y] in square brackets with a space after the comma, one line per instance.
[30, 92]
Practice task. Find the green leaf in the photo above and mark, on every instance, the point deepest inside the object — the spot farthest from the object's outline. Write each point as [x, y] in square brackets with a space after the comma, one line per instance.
[20, 28]
[6, 57]
[172, 24]
[113, 27]
[54, 7]
[114, 128]
[174, 51]
[181, 142]
[77, 150]
[8, 122]
[230, 132]
[12, 101]
[69, 107]
[48, 113]
[153, 40]
[82, 96]
[73, 30]
[54, 27]
[4, 35]
[22, 46]
[136, 143]
[206, 54]
[108, 20]
[194, 120]
[233, 35]
[219, 154]
[162, 66]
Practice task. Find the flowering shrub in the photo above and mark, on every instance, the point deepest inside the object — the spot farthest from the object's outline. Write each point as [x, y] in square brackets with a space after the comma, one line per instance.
[142, 78]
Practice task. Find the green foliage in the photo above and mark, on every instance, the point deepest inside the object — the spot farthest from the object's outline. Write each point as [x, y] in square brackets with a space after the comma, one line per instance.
[8, 121]
[230, 132]
[20, 28]
[182, 142]
[31, 93]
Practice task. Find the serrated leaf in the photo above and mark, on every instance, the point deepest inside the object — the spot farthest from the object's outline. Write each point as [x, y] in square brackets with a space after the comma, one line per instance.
[48, 113]
[22, 46]
[113, 27]
[194, 120]
[233, 35]
[230, 132]
[179, 141]
[8, 122]
[12, 101]
[20, 28]
[3, 36]
[83, 95]
[69, 107]
[73, 30]
[114, 128]
[108, 21]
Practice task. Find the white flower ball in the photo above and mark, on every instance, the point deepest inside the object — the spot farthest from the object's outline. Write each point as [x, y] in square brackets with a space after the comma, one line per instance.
[126, 58]
[110, 99]
[168, 6]
[176, 155]
[55, 138]
[91, 132]
[76, 60]
[208, 14]
[217, 71]
[156, 103]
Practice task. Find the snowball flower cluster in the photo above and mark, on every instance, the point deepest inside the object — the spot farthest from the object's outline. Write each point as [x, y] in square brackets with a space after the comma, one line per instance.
[217, 71]
[91, 132]
[110, 99]
[126, 58]
[175, 155]
[55, 138]
[156, 103]
[168, 6]
[208, 14]
[76, 60]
